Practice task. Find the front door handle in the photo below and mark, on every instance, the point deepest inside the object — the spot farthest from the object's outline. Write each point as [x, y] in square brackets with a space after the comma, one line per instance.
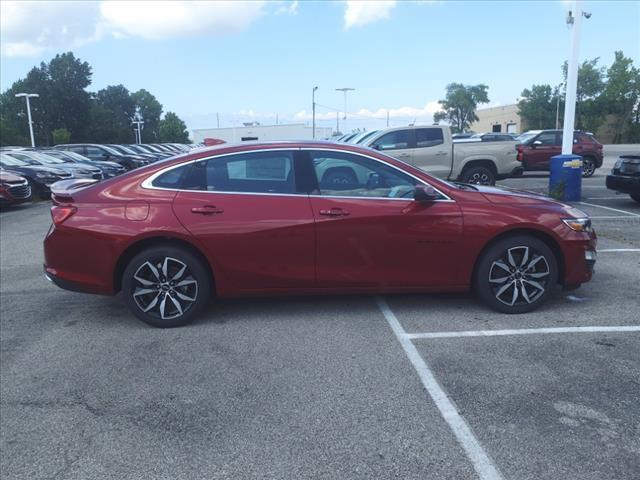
[207, 210]
[334, 212]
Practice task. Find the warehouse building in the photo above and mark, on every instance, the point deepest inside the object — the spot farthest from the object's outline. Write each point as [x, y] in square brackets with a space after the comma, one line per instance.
[504, 119]
[253, 131]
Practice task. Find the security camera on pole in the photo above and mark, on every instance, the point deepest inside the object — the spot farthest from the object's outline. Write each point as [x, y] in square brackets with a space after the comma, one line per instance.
[565, 180]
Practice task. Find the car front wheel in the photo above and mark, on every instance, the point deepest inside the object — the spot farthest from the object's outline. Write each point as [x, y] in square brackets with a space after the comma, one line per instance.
[166, 286]
[516, 274]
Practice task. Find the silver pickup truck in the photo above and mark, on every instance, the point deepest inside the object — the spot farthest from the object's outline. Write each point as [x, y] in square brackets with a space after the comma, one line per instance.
[432, 149]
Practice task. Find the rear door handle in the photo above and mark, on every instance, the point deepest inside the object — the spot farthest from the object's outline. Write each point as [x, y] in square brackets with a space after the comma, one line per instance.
[334, 212]
[207, 210]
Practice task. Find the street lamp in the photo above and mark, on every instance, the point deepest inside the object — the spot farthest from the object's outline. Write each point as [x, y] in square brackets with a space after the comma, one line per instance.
[27, 96]
[139, 124]
[345, 90]
[313, 108]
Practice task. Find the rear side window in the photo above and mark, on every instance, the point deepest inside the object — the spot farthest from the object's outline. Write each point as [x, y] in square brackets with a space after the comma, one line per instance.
[171, 179]
[547, 138]
[251, 172]
[398, 140]
[429, 137]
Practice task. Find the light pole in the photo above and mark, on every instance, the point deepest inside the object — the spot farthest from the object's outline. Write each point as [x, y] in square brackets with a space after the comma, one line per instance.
[313, 108]
[137, 120]
[345, 90]
[27, 96]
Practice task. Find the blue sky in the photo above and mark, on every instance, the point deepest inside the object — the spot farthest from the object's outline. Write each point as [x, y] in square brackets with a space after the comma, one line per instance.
[256, 60]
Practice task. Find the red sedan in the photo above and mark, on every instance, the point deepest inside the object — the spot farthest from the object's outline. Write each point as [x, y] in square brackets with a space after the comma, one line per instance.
[306, 218]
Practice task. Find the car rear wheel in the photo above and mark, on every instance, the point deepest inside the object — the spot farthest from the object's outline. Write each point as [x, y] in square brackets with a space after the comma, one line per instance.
[478, 176]
[166, 286]
[517, 274]
[588, 167]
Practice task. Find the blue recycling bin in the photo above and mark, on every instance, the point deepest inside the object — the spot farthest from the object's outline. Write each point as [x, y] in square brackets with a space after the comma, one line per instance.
[565, 181]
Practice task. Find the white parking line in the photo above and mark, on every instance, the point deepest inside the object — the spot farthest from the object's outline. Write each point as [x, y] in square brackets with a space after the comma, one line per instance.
[608, 250]
[522, 331]
[610, 217]
[609, 208]
[619, 197]
[482, 463]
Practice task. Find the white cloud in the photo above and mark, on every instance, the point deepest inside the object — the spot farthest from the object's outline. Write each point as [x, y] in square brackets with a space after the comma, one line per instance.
[405, 113]
[167, 19]
[361, 12]
[28, 27]
[290, 8]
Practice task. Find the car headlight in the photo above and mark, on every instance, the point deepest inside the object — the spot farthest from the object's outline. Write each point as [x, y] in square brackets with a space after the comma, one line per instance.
[578, 224]
[618, 164]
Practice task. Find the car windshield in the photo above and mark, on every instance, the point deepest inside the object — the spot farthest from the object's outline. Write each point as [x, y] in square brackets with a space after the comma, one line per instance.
[526, 137]
[7, 159]
[112, 151]
[54, 157]
[43, 158]
[124, 149]
[75, 156]
[361, 140]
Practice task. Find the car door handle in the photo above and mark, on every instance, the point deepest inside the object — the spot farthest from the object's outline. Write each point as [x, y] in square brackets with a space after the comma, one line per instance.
[207, 210]
[334, 212]
[404, 155]
[441, 153]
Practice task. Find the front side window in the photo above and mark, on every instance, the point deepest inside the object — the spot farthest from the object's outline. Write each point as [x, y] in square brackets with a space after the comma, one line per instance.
[547, 138]
[429, 137]
[398, 140]
[342, 174]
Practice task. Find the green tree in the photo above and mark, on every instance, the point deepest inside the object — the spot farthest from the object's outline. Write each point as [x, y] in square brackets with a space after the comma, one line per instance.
[61, 135]
[111, 114]
[150, 109]
[622, 98]
[173, 129]
[9, 135]
[460, 104]
[538, 105]
[590, 110]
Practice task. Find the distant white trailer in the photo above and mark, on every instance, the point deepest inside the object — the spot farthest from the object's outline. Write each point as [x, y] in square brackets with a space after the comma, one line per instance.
[293, 131]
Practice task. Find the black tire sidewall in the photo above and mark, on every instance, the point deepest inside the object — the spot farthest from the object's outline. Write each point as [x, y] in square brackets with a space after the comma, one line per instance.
[194, 264]
[468, 173]
[481, 283]
[593, 163]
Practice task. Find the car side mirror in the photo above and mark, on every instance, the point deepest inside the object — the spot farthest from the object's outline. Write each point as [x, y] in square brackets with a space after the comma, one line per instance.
[375, 147]
[536, 143]
[425, 194]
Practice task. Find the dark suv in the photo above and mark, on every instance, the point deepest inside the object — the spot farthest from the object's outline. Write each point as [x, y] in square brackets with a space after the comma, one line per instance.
[625, 176]
[538, 146]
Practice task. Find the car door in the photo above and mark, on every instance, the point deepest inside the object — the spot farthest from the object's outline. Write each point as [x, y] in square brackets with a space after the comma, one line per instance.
[397, 143]
[543, 147]
[430, 153]
[371, 233]
[248, 214]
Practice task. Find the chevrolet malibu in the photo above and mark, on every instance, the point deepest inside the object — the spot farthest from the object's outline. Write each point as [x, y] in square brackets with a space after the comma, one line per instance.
[306, 218]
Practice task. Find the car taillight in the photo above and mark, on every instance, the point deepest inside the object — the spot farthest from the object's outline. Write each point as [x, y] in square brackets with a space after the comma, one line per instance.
[61, 213]
[520, 153]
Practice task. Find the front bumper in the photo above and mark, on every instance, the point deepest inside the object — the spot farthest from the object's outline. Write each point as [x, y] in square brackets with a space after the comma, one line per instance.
[624, 184]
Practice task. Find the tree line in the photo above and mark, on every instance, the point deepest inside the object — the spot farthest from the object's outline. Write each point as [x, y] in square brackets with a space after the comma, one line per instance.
[605, 97]
[67, 112]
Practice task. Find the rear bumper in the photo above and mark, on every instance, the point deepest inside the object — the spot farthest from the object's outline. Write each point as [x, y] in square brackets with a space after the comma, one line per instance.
[624, 184]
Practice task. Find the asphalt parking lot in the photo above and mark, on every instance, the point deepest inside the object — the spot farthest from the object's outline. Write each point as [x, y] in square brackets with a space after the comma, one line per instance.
[411, 386]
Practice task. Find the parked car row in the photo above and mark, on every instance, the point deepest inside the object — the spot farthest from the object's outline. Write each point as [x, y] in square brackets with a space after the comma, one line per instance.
[43, 166]
[485, 164]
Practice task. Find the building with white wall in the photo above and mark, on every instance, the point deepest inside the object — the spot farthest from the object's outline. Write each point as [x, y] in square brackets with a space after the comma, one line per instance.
[504, 119]
[257, 132]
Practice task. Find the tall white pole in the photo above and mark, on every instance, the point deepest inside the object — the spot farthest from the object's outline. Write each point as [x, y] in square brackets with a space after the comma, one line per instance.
[33, 142]
[572, 79]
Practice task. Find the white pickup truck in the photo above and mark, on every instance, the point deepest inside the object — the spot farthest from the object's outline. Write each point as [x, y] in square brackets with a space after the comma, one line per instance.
[432, 149]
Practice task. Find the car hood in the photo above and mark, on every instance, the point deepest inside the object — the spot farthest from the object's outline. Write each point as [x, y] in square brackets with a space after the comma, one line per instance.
[43, 169]
[9, 177]
[501, 195]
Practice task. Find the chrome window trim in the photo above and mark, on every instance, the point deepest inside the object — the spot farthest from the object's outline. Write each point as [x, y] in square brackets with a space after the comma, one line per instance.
[147, 183]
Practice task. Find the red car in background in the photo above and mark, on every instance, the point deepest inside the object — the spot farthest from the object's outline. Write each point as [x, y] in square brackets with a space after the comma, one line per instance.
[275, 218]
[13, 189]
[538, 146]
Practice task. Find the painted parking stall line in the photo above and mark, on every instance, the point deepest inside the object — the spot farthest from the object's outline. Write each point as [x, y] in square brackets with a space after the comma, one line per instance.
[482, 463]
[523, 331]
[614, 250]
[609, 208]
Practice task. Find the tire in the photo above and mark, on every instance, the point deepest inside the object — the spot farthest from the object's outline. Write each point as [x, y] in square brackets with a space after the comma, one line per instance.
[588, 167]
[635, 197]
[508, 296]
[478, 176]
[173, 305]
